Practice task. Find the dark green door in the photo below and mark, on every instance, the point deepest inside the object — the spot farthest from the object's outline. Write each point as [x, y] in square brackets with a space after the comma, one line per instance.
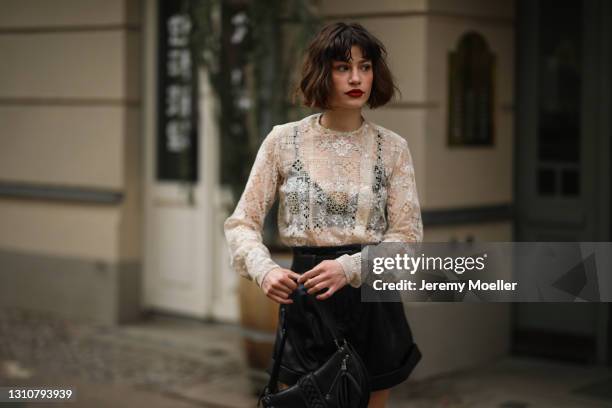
[563, 159]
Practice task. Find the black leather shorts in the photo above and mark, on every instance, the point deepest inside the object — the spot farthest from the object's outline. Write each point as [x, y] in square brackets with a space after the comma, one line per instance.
[378, 330]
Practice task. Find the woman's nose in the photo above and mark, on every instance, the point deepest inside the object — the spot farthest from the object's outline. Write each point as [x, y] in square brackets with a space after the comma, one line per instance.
[355, 77]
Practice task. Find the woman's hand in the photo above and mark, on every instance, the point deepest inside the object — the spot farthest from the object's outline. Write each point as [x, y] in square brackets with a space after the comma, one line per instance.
[279, 283]
[327, 274]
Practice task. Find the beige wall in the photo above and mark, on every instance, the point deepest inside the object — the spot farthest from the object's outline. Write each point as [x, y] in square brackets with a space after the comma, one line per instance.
[472, 9]
[91, 65]
[69, 114]
[470, 176]
[466, 8]
[350, 7]
[68, 14]
[66, 145]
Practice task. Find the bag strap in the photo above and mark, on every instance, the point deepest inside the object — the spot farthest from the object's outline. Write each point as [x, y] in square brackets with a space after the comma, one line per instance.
[328, 321]
[272, 386]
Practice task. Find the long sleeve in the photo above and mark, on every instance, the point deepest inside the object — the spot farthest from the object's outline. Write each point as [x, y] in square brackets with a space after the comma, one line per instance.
[403, 213]
[403, 208]
[249, 256]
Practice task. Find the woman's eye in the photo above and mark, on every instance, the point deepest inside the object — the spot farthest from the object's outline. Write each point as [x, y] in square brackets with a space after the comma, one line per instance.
[344, 68]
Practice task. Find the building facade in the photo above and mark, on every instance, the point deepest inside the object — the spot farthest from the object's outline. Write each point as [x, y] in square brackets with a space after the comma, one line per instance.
[89, 230]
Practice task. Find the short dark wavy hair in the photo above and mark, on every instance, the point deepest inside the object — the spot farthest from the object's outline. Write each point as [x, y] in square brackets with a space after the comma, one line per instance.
[334, 42]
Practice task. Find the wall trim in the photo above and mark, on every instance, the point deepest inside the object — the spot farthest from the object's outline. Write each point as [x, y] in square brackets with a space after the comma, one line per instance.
[497, 20]
[61, 29]
[38, 101]
[412, 105]
[430, 105]
[60, 193]
[468, 215]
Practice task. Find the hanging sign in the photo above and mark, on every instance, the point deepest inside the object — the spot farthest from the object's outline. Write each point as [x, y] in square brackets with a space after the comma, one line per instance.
[177, 137]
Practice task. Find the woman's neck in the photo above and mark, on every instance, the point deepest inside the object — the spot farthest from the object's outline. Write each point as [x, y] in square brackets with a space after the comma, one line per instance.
[342, 120]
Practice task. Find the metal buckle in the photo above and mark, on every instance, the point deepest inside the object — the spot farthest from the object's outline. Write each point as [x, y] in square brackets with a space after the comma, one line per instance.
[340, 345]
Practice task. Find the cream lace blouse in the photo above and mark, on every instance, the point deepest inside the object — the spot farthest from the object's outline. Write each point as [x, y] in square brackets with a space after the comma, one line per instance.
[335, 188]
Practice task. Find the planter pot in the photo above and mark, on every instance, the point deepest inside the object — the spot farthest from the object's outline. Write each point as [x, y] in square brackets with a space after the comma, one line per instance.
[259, 319]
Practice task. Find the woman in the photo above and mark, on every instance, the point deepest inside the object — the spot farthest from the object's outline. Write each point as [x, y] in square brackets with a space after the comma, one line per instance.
[342, 182]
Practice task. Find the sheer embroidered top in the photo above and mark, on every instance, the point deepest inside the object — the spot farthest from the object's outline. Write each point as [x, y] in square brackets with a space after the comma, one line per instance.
[335, 188]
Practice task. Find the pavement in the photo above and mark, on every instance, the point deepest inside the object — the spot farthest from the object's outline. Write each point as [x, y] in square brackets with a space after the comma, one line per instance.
[166, 361]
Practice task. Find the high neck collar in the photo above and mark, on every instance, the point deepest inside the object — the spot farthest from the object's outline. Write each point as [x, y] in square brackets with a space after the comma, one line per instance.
[332, 132]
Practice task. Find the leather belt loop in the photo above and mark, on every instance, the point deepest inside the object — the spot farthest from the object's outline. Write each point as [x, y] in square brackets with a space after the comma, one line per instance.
[303, 262]
[311, 260]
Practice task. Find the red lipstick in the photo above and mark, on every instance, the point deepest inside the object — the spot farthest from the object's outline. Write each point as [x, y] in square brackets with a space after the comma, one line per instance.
[355, 93]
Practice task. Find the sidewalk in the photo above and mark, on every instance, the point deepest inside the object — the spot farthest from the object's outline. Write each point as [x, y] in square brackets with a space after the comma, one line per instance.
[170, 362]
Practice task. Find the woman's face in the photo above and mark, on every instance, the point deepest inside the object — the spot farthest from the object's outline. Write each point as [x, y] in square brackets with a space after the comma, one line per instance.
[352, 81]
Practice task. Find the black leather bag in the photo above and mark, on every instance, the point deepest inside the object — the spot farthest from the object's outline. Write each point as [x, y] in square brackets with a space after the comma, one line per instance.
[341, 382]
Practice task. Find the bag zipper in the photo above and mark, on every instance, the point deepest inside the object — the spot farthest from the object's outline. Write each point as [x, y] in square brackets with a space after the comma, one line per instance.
[343, 368]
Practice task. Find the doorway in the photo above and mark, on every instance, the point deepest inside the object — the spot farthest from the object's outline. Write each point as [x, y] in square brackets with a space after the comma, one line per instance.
[562, 161]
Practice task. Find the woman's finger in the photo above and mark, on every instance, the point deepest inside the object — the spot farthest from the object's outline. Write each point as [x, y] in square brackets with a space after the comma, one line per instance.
[284, 284]
[293, 275]
[309, 274]
[279, 293]
[315, 280]
[330, 291]
[289, 283]
[281, 290]
[282, 287]
[319, 286]
[279, 299]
